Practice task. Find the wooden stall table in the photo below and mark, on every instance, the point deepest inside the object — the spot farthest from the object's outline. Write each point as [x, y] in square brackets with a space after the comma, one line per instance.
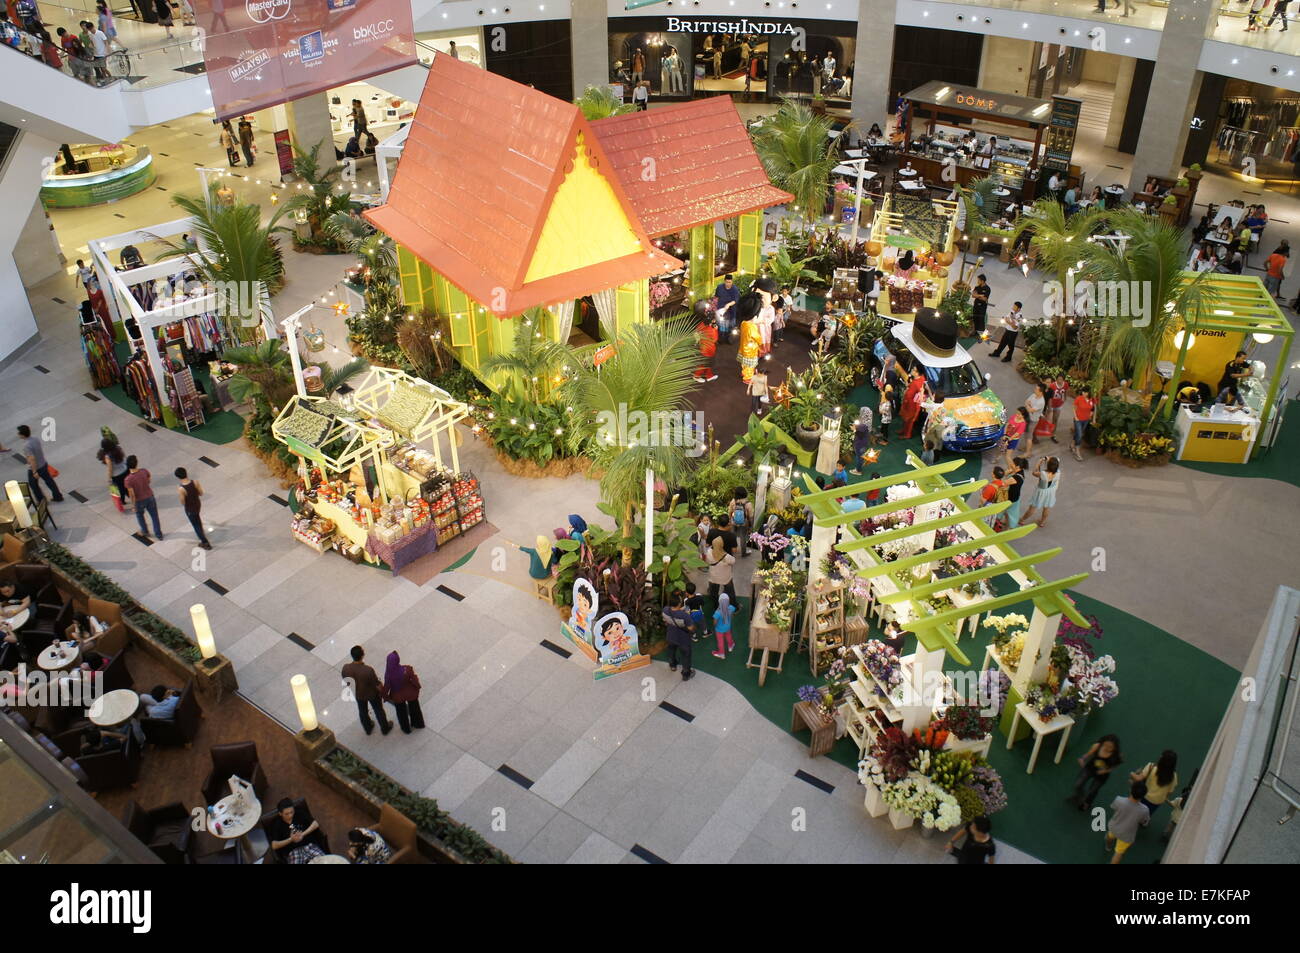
[823, 731]
[1041, 729]
[767, 639]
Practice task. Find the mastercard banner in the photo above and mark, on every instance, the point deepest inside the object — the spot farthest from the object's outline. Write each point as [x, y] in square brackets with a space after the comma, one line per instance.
[261, 53]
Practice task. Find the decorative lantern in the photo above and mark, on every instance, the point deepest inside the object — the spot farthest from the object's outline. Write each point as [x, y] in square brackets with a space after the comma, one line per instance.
[831, 423]
[344, 396]
[874, 249]
[314, 338]
[785, 468]
[311, 379]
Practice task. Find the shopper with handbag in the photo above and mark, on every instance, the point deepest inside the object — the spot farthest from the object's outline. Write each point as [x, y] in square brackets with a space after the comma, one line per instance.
[114, 460]
[402, 690]
[34, 452]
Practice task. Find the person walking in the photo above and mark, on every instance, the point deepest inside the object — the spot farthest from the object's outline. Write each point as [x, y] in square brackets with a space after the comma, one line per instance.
[726, 299]
[140, 491]
[721, 569]
[978, 847]
[1048, 474]
[913, 397]
[677, 621]
[37, 466]
[1127, 814]
[99, 44]
[114, 460]
[1256, 11]
[741, 509]
[1274, 268]
[708, 332]
[885, 411]
[1011, 330]
[190, 491]
[1015, 429]
[105, 18]
[1160, 778]
[367, 690]
[246, 141]
[1094, 768]
[1035, 403]
[722, 617]
[758, 392]
[73, 51]
[863, 437]
[1056, 391]
[979, 306]
[164, 9]
[1084, 406]
[402, 691]
[228, 141]
[1279, 10]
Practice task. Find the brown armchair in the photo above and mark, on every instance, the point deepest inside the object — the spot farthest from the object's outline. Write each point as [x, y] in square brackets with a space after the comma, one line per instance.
[48, 625]
[116, 639]
[40, 581]
[164, 830]
[181, 728]
[316, 837]
[12, 551]
[116, 674]
[111, 769]
[239, 759]
[400, 834]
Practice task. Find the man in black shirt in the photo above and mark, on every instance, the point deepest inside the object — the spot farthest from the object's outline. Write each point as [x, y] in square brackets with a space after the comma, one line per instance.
[722, 527]
[979, 306]
[978, 848]
[1233, 371]
[678, 623]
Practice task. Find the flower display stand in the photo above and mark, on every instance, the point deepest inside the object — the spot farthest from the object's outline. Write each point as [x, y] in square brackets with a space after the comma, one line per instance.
[900, 819]
[823, 731]
[1041, 729]
[875, 804]
[979, 746]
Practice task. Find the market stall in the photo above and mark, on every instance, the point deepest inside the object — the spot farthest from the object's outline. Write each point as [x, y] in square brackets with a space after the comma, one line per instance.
[1243, 316]
[922, 560]
[924, 227]
[1017, 123]
[378, 485]
[95, 174]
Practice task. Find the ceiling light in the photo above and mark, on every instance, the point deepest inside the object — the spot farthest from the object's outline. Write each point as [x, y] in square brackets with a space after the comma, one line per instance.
[1262, 338]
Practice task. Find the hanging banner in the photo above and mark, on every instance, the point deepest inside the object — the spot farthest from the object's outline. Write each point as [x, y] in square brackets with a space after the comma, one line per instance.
[260, 53]
[284, 151]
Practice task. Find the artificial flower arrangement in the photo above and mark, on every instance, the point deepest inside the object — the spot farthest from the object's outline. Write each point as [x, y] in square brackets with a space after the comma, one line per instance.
[1010, 639]
[1090, 678]
[902, 491]
[771, 545]
[993, 688]
[883, 663]
[896, 549]
[1012, 649]
[966, 722]
[1047, 702]
[659, 293]
[827, 698]
[837, 567]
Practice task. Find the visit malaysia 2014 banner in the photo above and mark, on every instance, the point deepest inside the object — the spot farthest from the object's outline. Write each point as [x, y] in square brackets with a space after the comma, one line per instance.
[259, 53]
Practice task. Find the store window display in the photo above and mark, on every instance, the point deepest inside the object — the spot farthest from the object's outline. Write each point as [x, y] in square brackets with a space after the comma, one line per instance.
[659, 59]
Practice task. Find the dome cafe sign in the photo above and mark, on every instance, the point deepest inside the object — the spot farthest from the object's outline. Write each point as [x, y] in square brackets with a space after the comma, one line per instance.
[678, 25]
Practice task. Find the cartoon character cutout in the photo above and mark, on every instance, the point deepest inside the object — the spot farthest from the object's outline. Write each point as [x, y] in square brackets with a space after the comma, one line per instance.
[585, 604]
[615, 639]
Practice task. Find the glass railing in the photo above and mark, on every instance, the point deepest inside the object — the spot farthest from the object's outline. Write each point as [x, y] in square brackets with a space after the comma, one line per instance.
[1279, 34]
[136, 68]
[1134, 13]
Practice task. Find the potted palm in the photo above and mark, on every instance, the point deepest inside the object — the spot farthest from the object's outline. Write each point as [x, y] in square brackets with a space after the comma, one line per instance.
[798, 155]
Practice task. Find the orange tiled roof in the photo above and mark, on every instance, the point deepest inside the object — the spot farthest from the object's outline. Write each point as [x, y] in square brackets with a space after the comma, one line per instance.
[472, 190]
[705, 167]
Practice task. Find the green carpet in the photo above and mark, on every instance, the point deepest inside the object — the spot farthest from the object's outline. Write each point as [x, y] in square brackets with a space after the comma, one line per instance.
[1280, 462]
[224, 426]
[1172, 695]
[893, 458]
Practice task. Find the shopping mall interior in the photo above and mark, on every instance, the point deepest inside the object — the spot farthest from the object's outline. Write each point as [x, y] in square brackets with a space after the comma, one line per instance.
[297, 382]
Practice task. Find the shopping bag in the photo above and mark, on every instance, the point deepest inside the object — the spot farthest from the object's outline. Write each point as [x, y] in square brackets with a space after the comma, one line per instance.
[54, 472]
[117, 497]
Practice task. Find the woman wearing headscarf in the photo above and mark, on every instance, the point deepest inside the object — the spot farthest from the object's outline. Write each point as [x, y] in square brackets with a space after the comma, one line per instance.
[722, 626]
[578, 528]
[402, 689]
[720, 569]
[906, 265]
[863, 438]
[912, 399]
[540, 557]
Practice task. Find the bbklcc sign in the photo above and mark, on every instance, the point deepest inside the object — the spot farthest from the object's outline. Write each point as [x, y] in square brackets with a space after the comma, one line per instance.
[678, 25]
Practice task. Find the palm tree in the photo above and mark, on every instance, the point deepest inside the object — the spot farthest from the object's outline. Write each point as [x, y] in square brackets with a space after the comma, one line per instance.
[798, 155]
[526, 371]
[649, 376]
[325, 196]
[788, 271]
[238, 256]
[1152, 260]
[264, 373]
[376, 252]
[1060, 240]
[597, 102]
[975, 205]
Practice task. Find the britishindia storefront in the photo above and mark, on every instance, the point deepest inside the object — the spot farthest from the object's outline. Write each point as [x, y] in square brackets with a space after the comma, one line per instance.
[761, 59]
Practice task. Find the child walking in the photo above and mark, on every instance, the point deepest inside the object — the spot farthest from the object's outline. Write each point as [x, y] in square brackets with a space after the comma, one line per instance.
[722, 626]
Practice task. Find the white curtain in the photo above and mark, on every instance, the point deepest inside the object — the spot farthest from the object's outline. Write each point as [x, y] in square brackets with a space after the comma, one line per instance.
[564, 321]
[606, 307]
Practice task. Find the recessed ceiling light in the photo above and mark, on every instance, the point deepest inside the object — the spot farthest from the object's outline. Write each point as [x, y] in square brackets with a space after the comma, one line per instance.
[1128, 39]
[1234, 62]
[1024, 26]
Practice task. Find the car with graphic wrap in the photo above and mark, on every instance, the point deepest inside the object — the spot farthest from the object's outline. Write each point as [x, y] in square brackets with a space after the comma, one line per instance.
[973, 416]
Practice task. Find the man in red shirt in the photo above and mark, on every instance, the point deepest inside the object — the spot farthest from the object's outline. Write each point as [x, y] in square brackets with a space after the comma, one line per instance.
[708, 330]
[1084, 405]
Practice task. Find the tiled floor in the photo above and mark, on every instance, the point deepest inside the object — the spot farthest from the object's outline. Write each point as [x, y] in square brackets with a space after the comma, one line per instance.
[521, 743]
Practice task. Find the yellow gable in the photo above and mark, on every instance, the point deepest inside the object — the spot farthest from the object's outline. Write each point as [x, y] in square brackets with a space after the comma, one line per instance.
[586, 225]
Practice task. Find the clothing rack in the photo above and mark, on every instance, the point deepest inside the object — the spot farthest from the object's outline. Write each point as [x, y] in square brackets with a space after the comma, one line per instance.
[97, 348]
[139, 385]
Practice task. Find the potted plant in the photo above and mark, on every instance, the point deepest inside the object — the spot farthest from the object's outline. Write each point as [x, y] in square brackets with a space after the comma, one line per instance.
[1194, 171]
[1180, 187]
[808, 421]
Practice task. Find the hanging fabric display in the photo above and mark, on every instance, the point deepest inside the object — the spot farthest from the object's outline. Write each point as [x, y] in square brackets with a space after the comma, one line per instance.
[139, 385]
[97, 347]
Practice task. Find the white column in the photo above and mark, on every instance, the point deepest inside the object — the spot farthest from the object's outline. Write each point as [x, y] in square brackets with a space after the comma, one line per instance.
[589, 43]
[1037, 655]
[871, 62]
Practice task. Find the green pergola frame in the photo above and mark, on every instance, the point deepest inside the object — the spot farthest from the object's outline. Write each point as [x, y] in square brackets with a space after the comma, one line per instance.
[935, 630]
[1242, 305]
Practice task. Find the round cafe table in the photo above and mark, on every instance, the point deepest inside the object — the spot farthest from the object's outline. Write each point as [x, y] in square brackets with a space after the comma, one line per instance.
[907, 173]
[329, 859]
[18, 619]
[237, 827]
[1001, 193]
[114, 708]
[51, 661]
